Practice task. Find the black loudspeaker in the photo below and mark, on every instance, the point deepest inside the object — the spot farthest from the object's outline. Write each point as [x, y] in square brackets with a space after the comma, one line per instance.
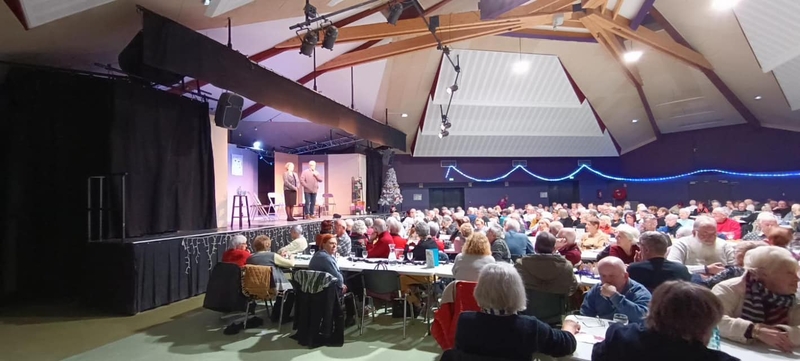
[131, 60]
[229, 111]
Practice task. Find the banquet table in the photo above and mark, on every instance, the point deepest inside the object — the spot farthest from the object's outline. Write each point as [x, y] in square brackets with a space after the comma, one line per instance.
[593, 330]
[443, 270]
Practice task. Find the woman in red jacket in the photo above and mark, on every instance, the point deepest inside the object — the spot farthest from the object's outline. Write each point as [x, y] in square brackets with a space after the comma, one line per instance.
[567, 247]
[237, 251]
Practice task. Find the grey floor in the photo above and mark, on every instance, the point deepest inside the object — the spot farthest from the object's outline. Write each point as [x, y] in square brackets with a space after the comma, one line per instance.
[198, 336]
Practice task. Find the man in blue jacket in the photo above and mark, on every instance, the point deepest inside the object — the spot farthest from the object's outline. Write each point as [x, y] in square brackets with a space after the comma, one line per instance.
[517, 241]
[616, 293]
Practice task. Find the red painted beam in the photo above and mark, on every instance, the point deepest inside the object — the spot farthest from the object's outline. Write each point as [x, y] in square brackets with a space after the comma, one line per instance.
[710, 74]
[16, 9]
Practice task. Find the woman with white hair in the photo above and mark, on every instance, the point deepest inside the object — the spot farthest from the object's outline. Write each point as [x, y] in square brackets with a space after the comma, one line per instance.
[498, 331]
[358, 239]
[605, 225]
[761, 305]
[627, 244]
[237, 251]
[567, 247]
[730, 228]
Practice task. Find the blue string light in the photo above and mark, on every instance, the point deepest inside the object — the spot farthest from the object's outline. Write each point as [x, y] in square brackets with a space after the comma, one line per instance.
[623, 179]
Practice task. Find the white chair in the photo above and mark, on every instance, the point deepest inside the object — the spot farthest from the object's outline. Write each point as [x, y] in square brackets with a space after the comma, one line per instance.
[258, 209]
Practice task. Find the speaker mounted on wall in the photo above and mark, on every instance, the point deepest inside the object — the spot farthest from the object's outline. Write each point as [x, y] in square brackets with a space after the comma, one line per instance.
[229, 111]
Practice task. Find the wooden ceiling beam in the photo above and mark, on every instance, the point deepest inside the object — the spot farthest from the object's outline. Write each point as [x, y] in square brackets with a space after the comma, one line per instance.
[411, 45]
[617, 7]
[653, 40]
[614, 47]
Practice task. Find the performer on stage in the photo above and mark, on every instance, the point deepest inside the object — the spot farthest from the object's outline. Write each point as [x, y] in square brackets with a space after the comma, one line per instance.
[310, 180]
[290, 184]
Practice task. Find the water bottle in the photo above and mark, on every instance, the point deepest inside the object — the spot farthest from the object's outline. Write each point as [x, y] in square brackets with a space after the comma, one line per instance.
[714, 342]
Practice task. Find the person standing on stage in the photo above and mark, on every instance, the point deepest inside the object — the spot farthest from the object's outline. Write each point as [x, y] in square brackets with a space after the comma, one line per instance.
[290, 184]
[310, 180]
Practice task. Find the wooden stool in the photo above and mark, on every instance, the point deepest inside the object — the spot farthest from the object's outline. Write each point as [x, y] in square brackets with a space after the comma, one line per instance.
[237, 203]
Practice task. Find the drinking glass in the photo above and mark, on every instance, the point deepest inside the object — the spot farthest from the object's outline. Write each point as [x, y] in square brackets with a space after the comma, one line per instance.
[362, 253]
[620, 318]
[410, 255]
[311, 251]
[795, 247]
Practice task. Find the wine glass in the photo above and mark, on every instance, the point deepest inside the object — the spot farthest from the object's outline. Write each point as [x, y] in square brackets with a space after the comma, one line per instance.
[410, 255]
[311, 251]
[620, 318]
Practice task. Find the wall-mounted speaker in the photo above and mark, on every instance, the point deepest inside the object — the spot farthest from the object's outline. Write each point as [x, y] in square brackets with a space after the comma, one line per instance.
[229, 111]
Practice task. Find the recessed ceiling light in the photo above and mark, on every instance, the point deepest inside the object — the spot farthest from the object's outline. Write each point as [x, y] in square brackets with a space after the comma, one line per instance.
[206, 2]
[404, 115]
[724, 4]
[636, 120]
[632, 56]
[521, 67]
[758, 97]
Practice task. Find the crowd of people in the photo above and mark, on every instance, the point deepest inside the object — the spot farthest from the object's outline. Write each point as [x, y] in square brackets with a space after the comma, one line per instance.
[730, 262]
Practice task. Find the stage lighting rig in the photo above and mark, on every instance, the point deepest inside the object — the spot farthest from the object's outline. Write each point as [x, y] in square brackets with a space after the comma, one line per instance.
[331, 33]
[310, 11]
[395, 11]
[310, 41]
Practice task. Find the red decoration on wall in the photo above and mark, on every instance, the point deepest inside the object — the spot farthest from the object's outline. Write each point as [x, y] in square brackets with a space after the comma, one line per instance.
[620, 194]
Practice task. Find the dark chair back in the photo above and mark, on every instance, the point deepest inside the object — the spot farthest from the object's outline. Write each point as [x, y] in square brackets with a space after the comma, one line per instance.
[384, 285]
[224, 290]
[547, 307]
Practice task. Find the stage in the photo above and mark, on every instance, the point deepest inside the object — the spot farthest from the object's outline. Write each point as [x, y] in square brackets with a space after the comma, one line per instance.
[138, 274]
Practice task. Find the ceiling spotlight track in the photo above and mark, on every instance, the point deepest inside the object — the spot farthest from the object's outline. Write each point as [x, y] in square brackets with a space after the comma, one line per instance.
[395, 11]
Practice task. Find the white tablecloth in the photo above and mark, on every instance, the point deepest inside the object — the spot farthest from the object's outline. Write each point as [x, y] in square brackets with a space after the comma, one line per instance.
[445, 270]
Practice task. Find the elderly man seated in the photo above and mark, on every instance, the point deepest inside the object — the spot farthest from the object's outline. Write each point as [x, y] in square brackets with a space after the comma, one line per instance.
[298, 243]
[761, 305]
[671, 226]
[683, 217]
[616, 293]
[652, 268]
[500, 250]
[703, 252]
[729, 227]
[546, 271]
[517, 242]
[765, 222]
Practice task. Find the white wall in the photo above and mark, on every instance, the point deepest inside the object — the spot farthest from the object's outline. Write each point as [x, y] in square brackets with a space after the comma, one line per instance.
[341, 170]
[219, 149]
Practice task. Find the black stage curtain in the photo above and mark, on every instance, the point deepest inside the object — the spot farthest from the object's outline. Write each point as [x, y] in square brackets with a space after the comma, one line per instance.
[266, 180]
[374, 181]
[54, 135]
[163, 142]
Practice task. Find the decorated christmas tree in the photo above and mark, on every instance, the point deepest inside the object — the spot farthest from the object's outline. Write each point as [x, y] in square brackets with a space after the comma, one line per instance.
[390, 195]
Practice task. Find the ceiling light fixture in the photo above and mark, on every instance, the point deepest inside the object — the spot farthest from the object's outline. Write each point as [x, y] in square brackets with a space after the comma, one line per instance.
[635, 120]
[758, 97]
[331, 33]
[395, 11]
[443, 134]
[521, 66]
[633, 56]
[452, 88]
[724, 4]
[310, 40]
[446, 125]
[404, 115]
[257, 145]
[310, 11]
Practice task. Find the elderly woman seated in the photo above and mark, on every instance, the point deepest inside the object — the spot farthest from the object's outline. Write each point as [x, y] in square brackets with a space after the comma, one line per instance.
[464, 233]
[358, 239]
[605, 225]
[593, 239]
[627, 244]
[671, 331]
[498, 331]
[476, 253]
[761, 305]
[731, 271]
[566, 246]
[264, 257]
[237, 251]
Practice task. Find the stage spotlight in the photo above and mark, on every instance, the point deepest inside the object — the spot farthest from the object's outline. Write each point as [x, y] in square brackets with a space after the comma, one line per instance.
[395, 10]
[331, 33]
[310, 11]
[443, 134]
[309, 42]
[452, 89]
[257, 145]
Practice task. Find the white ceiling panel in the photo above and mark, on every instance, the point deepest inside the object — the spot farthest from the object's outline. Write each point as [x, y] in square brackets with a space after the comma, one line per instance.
[487, 78]
[514, 146]
[219, 7]
[38, 12]
[772, 27]
[497, 120]
[788, 75]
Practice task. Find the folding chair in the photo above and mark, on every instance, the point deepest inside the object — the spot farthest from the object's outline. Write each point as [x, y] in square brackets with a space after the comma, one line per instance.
[258, 209]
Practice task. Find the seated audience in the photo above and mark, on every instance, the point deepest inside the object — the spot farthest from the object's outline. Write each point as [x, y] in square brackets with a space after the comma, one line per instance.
[671, 331]
[264, 257]
[464, 233]
[555, 227]
[703, 252]
[325, 261]
[630, 219]
[517, 242]
[370, 231]
[793, 215]
[546, 271]
[448, 226]
[498, 331]
[649, 222]
[605, 225]
[567, 247]
[358, 239]
[383, 241]
[617, 220]
[661, 214]
[626, 246]
[345, 247]
[434, 229]
[683, 218]
[761, 305]
[500, 250]
[325, 227]
[653, 269]
[683, 232]
[395, 229]
[780, 237]
[237, 251]
[542, 226]
[298, 243]
[765, 222]
[616, 293]
[782, 209]
[740, 211]
[419, 253]
[671, 225]
[593, 239]
[476, 253]
[726, 225]
[480, 226]
[734, 270]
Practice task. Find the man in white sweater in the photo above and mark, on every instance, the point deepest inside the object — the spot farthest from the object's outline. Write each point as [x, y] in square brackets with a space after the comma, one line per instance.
[703, 252]
[298, 243]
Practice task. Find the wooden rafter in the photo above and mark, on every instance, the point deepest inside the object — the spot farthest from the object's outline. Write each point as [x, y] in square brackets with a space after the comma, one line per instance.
[539, 6]
[593, 4]
[414, 44]
[615, 12]
[553, 34]
[615, 47]
[653, 40]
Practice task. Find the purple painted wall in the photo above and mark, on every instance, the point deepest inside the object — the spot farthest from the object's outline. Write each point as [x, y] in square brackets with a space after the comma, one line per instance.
[736, 148]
